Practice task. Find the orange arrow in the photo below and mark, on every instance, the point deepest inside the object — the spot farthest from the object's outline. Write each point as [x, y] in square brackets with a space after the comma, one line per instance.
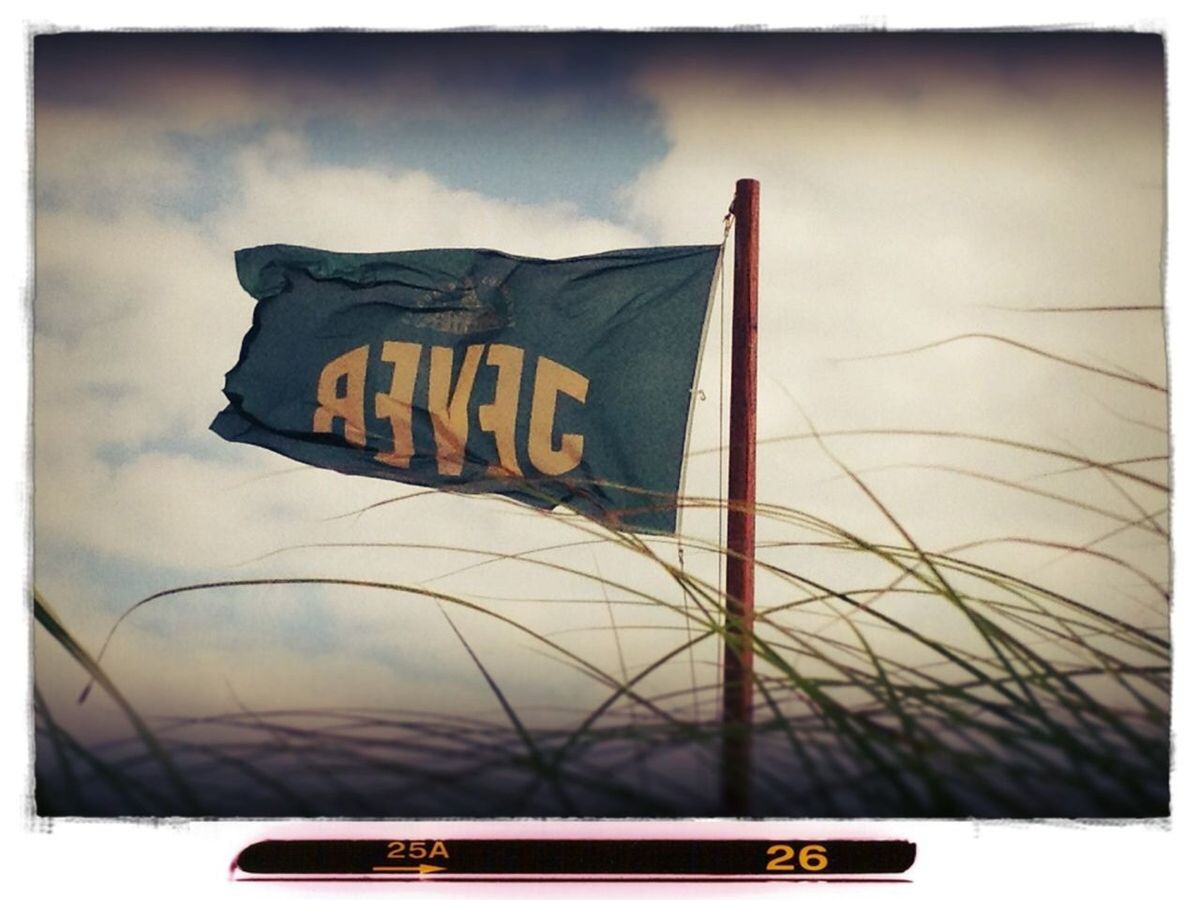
[422, 869]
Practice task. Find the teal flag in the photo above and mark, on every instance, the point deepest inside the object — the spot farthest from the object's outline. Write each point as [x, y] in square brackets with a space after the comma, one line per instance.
[551, 381]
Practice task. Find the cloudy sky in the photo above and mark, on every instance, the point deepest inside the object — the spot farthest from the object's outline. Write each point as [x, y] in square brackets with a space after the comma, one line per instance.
[940, 216]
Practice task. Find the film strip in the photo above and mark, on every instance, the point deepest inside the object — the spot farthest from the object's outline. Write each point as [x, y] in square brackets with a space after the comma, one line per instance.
[576, 860]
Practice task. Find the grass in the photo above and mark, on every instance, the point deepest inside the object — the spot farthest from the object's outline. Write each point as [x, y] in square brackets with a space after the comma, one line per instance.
[1041, 705]
[892, 679]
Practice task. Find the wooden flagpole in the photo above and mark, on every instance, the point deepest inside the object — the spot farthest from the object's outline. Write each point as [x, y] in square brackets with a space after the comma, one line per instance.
[738, 707]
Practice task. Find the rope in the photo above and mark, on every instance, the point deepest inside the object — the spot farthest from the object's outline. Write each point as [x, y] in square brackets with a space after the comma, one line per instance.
[728, 224]
[722, 512]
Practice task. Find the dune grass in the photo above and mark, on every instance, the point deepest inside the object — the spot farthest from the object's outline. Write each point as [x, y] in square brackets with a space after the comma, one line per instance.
[891, 678]
[1039, 705]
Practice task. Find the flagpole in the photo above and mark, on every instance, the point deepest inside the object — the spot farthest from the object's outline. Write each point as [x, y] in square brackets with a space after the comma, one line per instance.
[738, 706]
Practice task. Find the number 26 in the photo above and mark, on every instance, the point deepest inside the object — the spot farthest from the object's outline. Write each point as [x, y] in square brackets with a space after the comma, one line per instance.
[811, 857]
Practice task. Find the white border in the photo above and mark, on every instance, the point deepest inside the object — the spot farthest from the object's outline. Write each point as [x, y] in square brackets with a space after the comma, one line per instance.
[979, 859]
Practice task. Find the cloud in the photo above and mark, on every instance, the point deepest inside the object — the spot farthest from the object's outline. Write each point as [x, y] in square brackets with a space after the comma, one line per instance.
[918, 198]
[285, 198]
[901, 206]
[92, 159]
[139, 315]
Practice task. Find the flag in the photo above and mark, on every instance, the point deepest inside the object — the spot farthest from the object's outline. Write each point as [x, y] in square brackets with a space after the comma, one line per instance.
[551, 381]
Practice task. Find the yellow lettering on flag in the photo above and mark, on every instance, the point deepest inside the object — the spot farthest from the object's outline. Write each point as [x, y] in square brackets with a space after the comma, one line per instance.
[347, 406]
[500, 416]
[448, 404]
[552, 379]
[396, 404]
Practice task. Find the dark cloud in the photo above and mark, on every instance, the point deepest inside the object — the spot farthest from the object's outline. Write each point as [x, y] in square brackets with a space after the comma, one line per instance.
[117, 66]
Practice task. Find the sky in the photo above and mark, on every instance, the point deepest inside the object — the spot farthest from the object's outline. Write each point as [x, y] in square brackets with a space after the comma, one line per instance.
[915, 191]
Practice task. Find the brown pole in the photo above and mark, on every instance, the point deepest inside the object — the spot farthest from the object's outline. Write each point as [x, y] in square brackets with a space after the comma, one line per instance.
[738, 708]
